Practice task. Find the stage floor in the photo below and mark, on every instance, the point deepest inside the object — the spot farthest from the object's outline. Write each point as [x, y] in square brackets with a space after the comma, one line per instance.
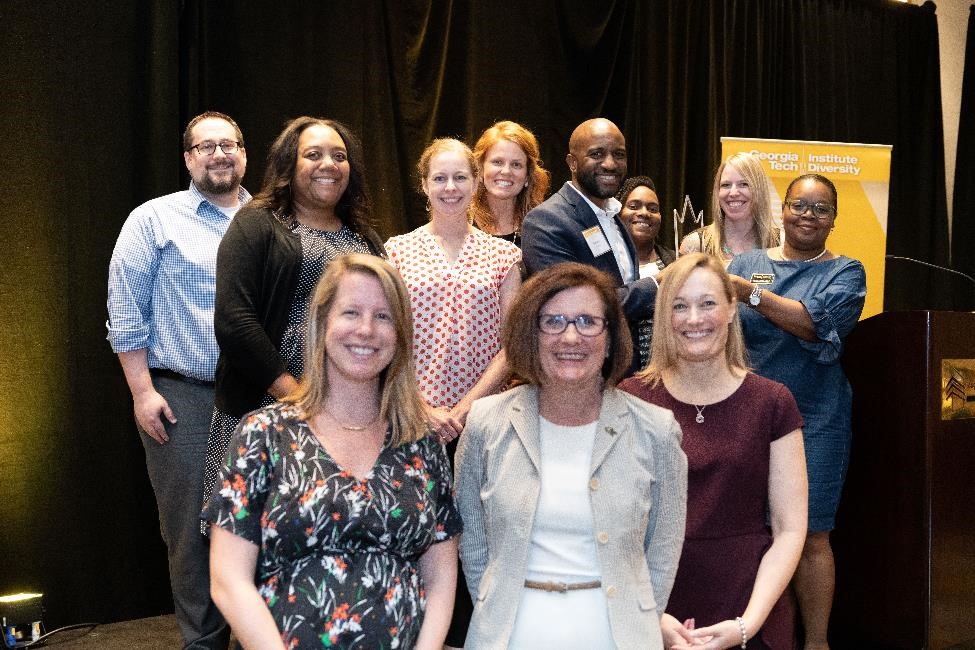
[156, 633]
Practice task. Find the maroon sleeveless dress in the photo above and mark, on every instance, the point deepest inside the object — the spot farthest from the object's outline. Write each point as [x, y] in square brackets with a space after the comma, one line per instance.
[727, 502]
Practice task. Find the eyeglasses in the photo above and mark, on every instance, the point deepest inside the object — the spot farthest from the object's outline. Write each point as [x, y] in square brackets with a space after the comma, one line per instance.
[585, 324]
[821, 211]
[207, 148]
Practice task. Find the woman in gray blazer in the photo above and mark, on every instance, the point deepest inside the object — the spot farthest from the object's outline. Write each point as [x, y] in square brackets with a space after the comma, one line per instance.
[572, 492]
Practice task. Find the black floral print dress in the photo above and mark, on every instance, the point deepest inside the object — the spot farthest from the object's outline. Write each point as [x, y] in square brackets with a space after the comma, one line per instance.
[338, 562]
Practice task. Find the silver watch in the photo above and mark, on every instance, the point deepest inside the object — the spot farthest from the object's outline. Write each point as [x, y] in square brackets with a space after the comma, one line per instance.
[756, 297]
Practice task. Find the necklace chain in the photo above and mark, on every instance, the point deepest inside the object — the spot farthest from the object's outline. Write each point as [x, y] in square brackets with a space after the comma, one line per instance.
[350, 427]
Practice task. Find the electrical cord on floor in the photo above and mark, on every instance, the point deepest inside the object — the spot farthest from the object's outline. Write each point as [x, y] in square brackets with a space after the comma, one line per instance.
[39, 641]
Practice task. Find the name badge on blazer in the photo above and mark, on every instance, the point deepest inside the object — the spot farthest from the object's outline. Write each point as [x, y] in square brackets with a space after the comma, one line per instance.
[596, 241]
[763, 278]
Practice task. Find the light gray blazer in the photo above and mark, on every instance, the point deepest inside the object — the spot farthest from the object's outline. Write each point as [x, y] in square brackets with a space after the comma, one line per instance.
[638, 488]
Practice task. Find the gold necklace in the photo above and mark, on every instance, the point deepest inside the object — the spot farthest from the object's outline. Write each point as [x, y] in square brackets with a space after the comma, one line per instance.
[347, 427]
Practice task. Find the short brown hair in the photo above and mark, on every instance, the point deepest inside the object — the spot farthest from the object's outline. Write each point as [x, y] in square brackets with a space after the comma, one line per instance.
[520, 335]
[400, 401]
[663, 347]
[210, 115]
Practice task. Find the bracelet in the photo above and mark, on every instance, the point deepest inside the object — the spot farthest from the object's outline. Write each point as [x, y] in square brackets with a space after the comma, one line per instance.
[744, 633]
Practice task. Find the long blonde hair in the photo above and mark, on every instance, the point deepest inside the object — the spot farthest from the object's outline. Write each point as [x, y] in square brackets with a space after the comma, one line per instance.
[663, 347]
[537, 181]
[400, 402]
[766, 232]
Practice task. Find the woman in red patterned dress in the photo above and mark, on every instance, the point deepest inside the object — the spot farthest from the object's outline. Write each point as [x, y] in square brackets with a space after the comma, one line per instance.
[461, 281]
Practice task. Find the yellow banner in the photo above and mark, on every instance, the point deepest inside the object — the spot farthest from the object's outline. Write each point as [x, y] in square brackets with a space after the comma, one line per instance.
[861, 173]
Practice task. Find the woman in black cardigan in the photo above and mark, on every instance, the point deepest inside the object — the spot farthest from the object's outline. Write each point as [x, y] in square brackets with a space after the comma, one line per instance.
[312, 207]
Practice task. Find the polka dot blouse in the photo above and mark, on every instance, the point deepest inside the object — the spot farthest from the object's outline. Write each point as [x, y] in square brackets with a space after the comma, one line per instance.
[456, 308]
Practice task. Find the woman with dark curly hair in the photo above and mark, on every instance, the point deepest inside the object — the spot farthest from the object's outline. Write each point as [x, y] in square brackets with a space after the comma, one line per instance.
[312, 207]
[641, 216]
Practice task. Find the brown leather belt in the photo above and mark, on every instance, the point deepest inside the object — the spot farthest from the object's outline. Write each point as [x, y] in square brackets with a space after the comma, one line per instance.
[562, 587]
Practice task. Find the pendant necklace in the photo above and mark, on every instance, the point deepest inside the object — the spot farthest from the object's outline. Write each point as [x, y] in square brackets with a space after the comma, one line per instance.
[699, 418]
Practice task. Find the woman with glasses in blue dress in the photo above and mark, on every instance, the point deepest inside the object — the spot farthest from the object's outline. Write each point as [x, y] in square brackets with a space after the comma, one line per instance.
[799, 301]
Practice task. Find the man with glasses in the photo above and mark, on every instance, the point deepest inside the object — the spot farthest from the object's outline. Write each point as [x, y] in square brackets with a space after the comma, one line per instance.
[161, 286]
[580, 222]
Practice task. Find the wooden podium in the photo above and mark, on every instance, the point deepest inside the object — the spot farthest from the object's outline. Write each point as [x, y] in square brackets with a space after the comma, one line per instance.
[905, 531]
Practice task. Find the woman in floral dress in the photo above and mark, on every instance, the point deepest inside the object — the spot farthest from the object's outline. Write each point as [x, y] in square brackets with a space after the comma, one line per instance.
[335, 496]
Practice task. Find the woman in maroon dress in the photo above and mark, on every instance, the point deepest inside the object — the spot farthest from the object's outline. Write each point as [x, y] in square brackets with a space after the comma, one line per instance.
[746, 467]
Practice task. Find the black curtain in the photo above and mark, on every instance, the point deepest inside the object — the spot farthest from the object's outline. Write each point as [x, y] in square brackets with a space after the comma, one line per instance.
[963, 212]
[90, 130]
[95, 97]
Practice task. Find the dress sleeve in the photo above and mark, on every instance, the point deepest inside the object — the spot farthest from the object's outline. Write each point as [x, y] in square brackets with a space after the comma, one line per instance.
[469, 470]
[835, 310]
[237, 501]
[241, 260]
[449, 523]
[392, 250]
[785, 413]
[509, 256]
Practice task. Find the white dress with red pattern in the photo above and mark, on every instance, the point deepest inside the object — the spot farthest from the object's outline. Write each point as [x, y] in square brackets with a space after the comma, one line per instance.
[456, 308]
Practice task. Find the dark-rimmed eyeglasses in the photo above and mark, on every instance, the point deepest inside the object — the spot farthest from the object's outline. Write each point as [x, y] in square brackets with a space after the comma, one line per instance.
[586, 324]
[207, 148]
[820, 210]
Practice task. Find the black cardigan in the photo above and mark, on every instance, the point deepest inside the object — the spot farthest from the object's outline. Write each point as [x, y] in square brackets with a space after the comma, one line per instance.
[258, 266]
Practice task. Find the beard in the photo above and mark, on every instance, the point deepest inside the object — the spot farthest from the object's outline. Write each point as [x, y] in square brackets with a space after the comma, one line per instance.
[210, 184]
[587, 180]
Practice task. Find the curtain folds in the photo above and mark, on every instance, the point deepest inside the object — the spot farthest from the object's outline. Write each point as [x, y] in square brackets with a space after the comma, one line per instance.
[675, 75]
[963, 213]
[96, 97]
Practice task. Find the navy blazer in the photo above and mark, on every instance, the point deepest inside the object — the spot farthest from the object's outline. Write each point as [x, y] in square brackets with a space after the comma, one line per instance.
[552, 233]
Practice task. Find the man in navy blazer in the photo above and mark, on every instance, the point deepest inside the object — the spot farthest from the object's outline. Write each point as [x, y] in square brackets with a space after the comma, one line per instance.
[580, 222]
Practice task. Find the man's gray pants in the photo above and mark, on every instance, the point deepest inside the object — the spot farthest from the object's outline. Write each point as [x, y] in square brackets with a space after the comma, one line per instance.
[176, 474]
